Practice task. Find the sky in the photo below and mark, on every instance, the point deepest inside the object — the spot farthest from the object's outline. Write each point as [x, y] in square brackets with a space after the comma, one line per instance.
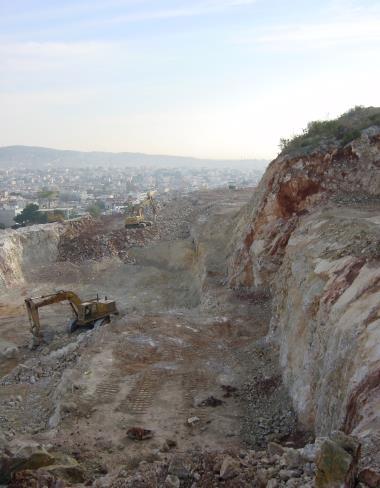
[204, 78]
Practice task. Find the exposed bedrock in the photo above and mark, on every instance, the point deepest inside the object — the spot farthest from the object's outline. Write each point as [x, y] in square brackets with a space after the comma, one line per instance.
[293, 186]
[24, 249]
[311, 234]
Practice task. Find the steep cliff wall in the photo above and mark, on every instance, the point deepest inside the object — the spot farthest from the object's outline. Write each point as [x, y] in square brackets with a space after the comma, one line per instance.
[312, 235]
[327, 322]
[26, 248]
[292, 186]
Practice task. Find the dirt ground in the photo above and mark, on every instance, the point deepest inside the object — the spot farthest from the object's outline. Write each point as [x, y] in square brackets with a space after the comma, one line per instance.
[186, 358]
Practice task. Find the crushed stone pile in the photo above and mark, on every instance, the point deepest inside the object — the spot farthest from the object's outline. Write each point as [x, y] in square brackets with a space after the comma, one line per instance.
[274, 467]
[96, 239]
[91, 239]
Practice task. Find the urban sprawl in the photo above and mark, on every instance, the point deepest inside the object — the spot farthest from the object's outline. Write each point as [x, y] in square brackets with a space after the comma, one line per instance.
[75, 192]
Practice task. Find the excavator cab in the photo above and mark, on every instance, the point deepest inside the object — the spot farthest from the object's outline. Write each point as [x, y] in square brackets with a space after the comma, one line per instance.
[95, 308]
[90, 313]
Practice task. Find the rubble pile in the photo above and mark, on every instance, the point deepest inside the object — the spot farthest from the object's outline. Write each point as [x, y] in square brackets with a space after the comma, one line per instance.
[329, 462]
[271, 415]
[174, 219]
[92, 240]
[274, 467]
[216, 469]
[106, 237]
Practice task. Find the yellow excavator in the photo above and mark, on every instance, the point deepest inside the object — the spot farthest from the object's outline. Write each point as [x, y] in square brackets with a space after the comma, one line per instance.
[90, 313]
[137, 218]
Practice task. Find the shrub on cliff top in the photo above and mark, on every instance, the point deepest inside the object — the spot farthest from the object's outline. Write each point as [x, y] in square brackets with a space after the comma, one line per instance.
[342, 130]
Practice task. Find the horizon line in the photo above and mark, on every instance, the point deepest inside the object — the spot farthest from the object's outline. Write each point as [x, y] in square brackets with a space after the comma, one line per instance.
[136, 152]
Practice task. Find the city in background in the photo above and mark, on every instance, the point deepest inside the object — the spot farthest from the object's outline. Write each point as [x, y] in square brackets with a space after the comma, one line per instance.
[66, 193]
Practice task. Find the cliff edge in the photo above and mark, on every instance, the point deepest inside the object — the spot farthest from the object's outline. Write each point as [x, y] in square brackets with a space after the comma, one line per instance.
[311, 235]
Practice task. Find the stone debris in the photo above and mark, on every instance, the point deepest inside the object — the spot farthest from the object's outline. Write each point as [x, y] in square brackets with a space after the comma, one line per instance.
[370, 477]
[8, 350]
[337, 462]
[270, 414]
[193, 421]
[35, 479]
[21, 461]
[70, 473]
[172, 481]
[19, 456]
[276, 467]
[179, 467]
[92, 240]
[229, 469]
[206, 469]
[168, 445]
[106, 237]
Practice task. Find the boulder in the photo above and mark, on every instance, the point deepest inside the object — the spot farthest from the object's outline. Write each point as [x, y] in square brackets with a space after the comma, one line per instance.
[179, 468]
[168, 445]
[23, 456]
[193, 421]
[347, 442]
[70, 473]
[370, 477]
[172, 481]
[274, 448]
[229, 469]
[273, 483]
[8, 350]
[262, 477]
[310, 451]
[337, 462]
[292, 458]
[285, 474]
[29, 457]
[40, 478]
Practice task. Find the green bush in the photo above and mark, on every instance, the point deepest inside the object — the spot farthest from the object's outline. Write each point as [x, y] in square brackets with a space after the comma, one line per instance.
[94, 210]
[31, 215]
[342, 130]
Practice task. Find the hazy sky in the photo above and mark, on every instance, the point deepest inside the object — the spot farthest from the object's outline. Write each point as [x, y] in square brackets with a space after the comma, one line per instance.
[209, 78]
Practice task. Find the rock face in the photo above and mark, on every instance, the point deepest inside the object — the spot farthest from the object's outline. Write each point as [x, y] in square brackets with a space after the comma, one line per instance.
[292, 186]
[23, 249]
[311, 235]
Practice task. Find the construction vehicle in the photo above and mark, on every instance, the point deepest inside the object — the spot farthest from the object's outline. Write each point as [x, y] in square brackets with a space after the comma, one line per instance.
[137, 216]
[93, 312]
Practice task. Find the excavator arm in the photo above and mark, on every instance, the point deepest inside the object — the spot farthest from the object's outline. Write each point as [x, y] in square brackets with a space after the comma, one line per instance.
[149, 201]
[34, 304]
[136, 218]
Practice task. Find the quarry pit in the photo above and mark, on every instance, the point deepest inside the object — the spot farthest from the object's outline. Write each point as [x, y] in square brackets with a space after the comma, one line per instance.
[181, 338]
[246, 352]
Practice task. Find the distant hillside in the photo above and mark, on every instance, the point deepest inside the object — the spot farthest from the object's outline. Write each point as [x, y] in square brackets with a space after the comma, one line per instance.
[30, 156]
